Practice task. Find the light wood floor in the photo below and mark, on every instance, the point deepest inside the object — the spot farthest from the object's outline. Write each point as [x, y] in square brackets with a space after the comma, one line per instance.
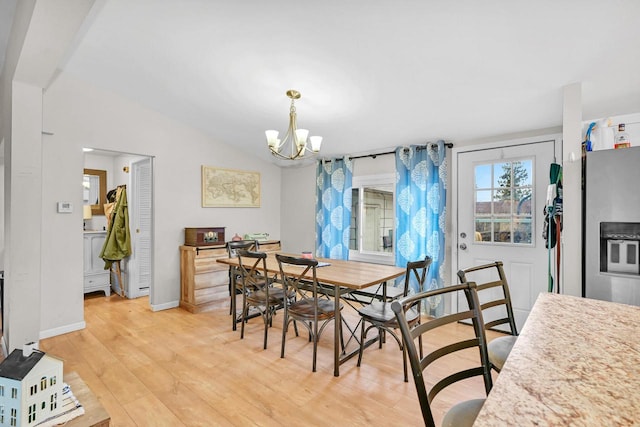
[174, 368]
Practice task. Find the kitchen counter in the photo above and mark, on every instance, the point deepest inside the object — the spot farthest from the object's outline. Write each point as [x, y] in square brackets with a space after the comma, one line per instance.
[576, 363]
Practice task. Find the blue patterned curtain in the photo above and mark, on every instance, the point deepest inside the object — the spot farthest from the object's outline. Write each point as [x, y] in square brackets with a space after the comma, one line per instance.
[333, 208]
[421, 210]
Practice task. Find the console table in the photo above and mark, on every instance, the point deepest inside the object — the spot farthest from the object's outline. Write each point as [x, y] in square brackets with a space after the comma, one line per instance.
[204, 283]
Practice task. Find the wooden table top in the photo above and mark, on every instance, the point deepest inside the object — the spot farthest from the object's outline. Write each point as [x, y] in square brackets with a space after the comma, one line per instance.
[576, 363]
[94, 413]
[348, 274]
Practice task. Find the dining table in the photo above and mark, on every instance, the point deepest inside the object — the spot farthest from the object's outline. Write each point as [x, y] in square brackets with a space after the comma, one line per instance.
[576, 362]
[342, 278]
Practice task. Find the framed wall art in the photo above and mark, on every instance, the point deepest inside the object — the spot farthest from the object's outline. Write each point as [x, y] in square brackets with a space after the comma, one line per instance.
[230, 188]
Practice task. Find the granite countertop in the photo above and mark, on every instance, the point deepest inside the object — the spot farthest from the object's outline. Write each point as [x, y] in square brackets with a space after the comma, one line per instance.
[576, 363]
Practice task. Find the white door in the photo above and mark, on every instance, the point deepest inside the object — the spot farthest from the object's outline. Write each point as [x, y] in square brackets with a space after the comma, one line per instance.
[500, 198]
[140, 210]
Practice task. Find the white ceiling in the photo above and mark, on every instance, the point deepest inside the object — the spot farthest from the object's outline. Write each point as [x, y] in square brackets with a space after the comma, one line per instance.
[373, 74]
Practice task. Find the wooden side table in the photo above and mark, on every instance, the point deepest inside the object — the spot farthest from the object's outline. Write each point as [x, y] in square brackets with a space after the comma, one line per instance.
[94, 413]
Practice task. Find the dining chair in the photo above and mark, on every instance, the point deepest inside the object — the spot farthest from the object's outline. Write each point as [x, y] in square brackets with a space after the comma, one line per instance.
[308, 307]
[378, 314]
[232, 248]
[464, 413]
[495, 303]
[258, 290]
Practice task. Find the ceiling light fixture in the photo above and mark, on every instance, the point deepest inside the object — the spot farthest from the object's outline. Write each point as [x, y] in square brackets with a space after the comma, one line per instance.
[294, 145]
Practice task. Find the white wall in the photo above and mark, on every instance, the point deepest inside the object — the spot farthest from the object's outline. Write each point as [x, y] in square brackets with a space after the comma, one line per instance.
[571, 243]
[80, 115]
[298, 205]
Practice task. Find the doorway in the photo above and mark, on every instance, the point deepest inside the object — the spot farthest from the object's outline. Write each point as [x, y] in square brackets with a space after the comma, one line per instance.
[499, 197]
[136, 173]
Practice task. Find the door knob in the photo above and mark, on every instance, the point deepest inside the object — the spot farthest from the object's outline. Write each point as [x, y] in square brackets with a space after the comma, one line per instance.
[463, 246]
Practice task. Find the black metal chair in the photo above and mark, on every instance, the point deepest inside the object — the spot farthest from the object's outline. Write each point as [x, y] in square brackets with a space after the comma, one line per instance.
[258, 290]
[464, 413]
[232, 248]
[379, 315]
[309, 308]
[495, 303]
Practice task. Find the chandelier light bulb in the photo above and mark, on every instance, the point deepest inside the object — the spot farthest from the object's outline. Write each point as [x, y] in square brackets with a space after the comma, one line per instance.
[315, 141]
[272, 138]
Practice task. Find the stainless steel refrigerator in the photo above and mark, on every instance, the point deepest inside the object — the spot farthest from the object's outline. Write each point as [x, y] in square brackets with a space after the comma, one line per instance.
[612, 225]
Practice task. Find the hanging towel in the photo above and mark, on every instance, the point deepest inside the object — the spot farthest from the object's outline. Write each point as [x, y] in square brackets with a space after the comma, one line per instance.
[117, 245]
[553, 221]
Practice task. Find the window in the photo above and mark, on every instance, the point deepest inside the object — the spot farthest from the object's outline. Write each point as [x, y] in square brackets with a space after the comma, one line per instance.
[52, 380]
[1, 390]
[372, 218]
[504, 209]
[54, 401]
[1, 414]
[32, 413]
[33, 389]
[43, 383]
[14, 393]
[14, 416]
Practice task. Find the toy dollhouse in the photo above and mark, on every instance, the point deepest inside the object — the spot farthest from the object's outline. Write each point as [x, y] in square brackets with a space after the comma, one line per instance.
[31, 386]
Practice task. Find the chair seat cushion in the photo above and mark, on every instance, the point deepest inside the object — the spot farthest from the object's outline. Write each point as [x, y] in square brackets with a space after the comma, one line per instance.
[499, 349]
[276, 296]
[303, 309]
[463, 414]
[250, 284]
[380, 312]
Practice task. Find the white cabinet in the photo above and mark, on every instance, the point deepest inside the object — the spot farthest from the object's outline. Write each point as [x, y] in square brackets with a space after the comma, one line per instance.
[96, 278]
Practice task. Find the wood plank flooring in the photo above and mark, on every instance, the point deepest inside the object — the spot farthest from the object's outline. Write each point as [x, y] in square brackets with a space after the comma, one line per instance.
[174, 368]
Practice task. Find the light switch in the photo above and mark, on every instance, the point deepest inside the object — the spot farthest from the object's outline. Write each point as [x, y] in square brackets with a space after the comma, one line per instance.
[65, 207]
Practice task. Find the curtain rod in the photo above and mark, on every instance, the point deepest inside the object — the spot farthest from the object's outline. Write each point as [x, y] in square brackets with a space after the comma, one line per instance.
[373, 156]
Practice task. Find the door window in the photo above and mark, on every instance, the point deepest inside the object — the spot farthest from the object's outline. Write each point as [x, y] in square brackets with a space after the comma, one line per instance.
[503, 211]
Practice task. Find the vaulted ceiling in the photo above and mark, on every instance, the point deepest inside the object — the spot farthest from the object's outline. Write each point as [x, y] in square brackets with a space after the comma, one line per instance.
[373, 74]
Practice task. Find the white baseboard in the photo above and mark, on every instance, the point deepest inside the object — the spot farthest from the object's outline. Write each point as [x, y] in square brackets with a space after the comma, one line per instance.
[62, 330]
[165, 306]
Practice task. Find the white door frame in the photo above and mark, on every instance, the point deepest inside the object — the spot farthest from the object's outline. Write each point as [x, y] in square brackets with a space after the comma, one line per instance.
[456, 150]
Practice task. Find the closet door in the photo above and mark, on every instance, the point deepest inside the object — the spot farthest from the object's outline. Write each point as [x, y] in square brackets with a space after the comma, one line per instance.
[141, 219]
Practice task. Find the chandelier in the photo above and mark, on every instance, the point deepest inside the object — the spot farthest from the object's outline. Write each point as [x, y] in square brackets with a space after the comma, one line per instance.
[294, 145]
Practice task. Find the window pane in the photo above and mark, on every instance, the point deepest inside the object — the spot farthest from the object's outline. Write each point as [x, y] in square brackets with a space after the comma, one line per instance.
[522, 175]
[522, 230]
[483, 176]
[523, 202]
[483, 230]
[353, 229]
[502, 175]
[502, 204]
[502, 230]
[378, 219]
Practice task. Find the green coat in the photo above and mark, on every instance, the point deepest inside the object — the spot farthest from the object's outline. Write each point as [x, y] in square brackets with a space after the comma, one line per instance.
[117, 245]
